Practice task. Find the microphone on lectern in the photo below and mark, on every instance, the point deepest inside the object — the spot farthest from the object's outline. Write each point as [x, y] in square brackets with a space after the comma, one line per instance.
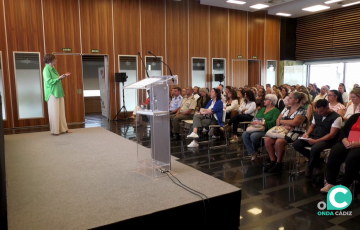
[161, 61]
[143, 64]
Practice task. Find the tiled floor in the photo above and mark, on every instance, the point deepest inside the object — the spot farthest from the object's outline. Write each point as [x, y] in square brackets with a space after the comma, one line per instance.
[282, 201]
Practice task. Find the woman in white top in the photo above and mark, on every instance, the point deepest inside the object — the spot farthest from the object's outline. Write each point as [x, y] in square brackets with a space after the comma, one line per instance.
[336, 102]
[246, 113]
[232, 103]
[343, 93]
[354, 107]
[241, 95]
[285, 95]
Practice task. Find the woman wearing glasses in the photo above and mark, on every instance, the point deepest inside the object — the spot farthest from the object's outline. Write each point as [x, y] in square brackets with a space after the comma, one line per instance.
[336, 102]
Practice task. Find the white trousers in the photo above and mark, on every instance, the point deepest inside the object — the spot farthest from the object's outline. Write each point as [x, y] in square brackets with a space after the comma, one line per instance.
[57, 119]
[137, 108]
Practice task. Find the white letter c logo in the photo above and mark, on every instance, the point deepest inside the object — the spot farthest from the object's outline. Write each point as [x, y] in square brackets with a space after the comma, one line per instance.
[332, 198]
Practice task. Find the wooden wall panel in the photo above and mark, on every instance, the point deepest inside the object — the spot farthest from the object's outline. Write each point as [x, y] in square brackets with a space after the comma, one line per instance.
[6, 95]
[127, 39]
[62, 26]
[253, 73]
[219, 37]
[153, 29]
[74, 101]
[329, 35]
[240, 73]
[199, 25]
[24, 33]
[256, 36]
[96, 26]
[177, 40]
[238, 43]
[272, 41]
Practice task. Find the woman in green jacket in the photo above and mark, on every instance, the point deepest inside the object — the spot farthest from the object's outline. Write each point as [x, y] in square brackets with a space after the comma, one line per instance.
[54, 96]
[269, 114]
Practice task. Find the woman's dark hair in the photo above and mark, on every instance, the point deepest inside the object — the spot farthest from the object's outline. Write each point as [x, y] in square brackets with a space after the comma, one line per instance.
[338, 96]
[341, 84]
[48, 58]
[242, 91]
[250, 95]
[228, 87]
[218, 94]
[234, 95]
[287, 91]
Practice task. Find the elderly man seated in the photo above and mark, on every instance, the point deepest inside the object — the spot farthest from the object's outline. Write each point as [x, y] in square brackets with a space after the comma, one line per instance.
[185, 112]
[321, 135]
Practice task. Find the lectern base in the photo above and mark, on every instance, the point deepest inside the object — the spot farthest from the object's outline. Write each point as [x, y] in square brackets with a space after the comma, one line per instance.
[151, 168]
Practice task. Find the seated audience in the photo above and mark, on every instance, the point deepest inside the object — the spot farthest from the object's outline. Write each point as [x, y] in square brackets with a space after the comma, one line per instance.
[293, 118]
[241, 95]
[203, 99]
[185, 112]
[232, 103]
[346, 150]
[297, 86]
[356, 86]
[344, 95]
[259, 100]
[176, 100]
[336, 102]
[254, 90]
[183, 93]
[223, 95]
[274, 88]
[269, 90]
[269, 113]
[322, 135]
[285, 96]
[246, 113]
[293, 88]
[280, 105]
[246, 88]
[211, 115]
[354, 107]
[306, 103]
[137, 108]
[196, 93]
[322, 95]
[312, 91]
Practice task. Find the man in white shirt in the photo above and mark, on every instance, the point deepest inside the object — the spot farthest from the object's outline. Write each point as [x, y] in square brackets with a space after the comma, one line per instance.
[196, 93]
[344, 94]
[323, 95]
[322, 134]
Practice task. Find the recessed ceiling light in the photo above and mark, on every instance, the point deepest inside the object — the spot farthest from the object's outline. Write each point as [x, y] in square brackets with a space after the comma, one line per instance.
[255, 211]
[316, 8]
[259, 6]
[283, 14]
[350, 4]
[236, 2]
[332, 1]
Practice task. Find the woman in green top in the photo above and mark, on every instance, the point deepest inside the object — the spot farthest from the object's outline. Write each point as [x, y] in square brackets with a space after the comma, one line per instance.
[54, 96]
[269, 113]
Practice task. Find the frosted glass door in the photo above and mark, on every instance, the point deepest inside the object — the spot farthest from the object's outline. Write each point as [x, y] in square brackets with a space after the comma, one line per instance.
[29, 85]
[271, 72]
[154, 66]
[218, 67]
[2, 93]
[128, 65]
[199, 72]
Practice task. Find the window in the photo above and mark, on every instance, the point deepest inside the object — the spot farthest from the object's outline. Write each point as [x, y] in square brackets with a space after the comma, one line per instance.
[154, 66]
[327, 74]
[28, 85]
[2, 93]
[128, 65]
[219, 69]
[352, 75]
[294, 73]
[199, 72]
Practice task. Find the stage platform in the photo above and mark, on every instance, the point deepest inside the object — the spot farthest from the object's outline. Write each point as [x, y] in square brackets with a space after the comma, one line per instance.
[85, 180]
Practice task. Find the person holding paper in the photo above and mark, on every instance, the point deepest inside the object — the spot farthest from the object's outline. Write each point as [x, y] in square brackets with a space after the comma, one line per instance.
[321, 135]
[54, 96]
[346, 150]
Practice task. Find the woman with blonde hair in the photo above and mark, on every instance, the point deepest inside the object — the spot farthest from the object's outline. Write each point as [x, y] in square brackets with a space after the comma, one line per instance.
[354, 107]
[280, 105]
[306, 101]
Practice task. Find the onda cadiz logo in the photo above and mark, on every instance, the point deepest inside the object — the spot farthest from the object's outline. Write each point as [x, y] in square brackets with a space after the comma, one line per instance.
[338, 198]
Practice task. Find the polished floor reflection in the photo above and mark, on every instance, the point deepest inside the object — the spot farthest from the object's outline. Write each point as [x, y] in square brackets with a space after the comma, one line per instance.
[269, 201]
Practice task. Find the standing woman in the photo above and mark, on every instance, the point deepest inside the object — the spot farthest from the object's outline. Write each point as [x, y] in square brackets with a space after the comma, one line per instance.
[54, 96]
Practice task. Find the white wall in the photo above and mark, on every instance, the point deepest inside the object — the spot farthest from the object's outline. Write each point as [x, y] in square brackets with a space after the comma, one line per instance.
[199, 78]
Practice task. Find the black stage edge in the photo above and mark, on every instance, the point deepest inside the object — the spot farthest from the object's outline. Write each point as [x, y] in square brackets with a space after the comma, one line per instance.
[222, 212]
[3, 202]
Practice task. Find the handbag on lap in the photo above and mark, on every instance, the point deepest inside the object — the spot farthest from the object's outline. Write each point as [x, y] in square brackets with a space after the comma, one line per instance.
[277, 132]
